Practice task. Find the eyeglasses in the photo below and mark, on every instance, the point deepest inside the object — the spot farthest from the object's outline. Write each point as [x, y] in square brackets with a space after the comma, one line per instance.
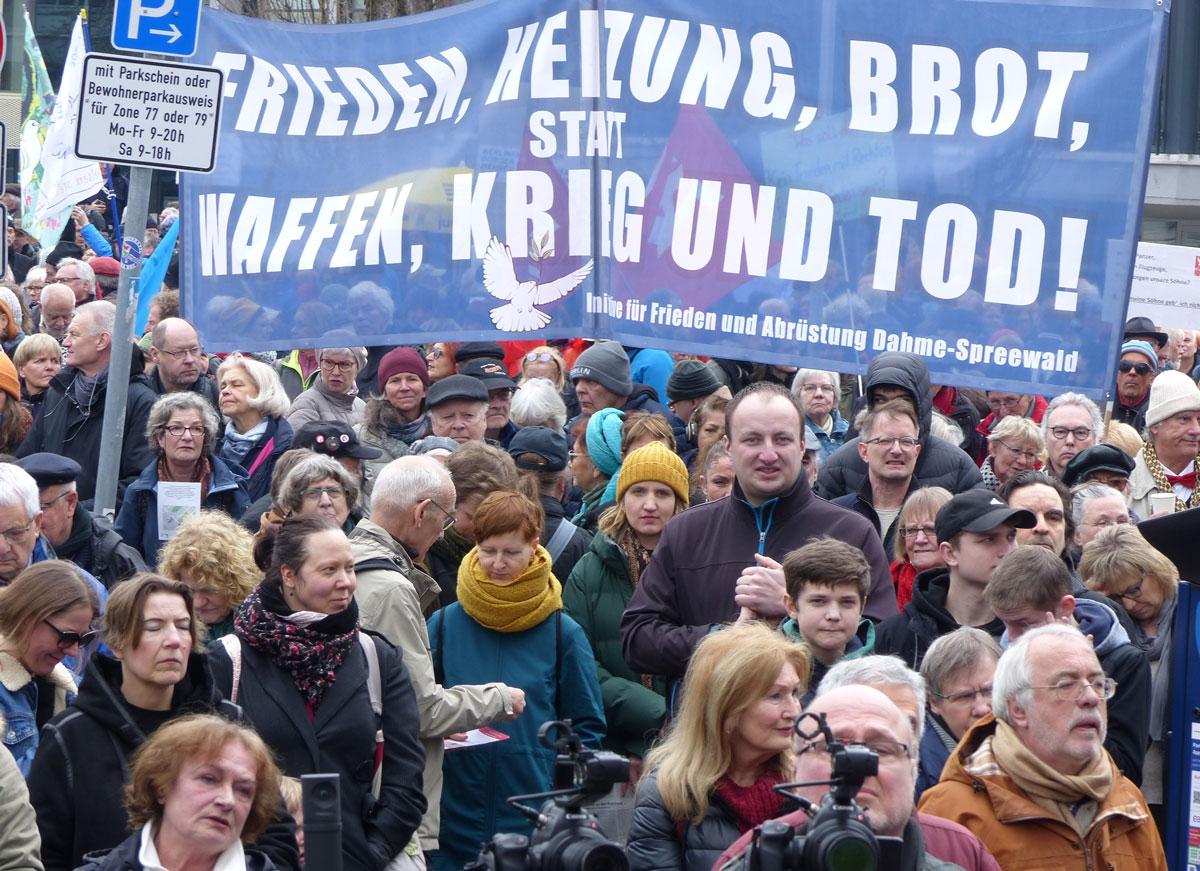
[1073, 690]
[449, 515]
[817, 388]
[315, 493]
[435, 354]
[538, 357]
[67, 640]
[1105, 522]
[1079, 433]
[195, 351]
[1006, 402]
[339, 365]
[1134, 593]
[1026, 455]
[1128, 366]
[906, 443]
[966, 696]
[887, 751]
[178, 429]
[17, 534]
[928, 530]
[46, 506]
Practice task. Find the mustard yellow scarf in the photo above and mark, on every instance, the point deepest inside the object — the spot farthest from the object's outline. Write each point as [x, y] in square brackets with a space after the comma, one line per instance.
[515, 607]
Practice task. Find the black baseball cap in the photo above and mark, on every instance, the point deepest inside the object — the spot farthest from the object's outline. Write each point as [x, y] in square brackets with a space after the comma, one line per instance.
[492, 373]
[334, 439]
[979, 511]
[456, 387]
[1097, 458]
[539, 449]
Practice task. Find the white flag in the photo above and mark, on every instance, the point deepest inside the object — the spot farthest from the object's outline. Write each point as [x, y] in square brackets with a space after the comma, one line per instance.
[65, 178]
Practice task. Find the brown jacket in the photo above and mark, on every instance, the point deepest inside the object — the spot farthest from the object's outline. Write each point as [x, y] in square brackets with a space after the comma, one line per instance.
[1022, 836]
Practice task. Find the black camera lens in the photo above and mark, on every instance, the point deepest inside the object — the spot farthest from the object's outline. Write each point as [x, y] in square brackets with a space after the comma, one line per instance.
[849, 853]
[589, 855]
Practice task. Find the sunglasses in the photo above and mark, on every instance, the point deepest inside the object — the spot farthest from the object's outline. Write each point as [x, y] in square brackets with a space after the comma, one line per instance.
[538, 357]
[1139, 368]
[67, 640]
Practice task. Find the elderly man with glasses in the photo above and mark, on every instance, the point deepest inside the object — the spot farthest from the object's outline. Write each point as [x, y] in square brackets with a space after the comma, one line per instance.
[1034, 781]
[179, 361]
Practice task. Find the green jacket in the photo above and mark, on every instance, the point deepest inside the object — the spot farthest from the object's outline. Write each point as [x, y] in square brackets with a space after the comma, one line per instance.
[862, 644]
[595, 596]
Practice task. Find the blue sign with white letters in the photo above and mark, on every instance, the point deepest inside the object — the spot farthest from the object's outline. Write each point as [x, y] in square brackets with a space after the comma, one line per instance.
[808, 183]
[162, 27]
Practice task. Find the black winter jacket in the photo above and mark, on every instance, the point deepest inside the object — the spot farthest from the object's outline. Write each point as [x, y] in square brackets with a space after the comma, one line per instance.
[689, 584]
[862, 502]
[657, 842]
[125, 858]
[940, 464]
[577, 545]
[205, 386]
[67, 428]
[96, 548]
[923, 620]
[341, 740]
[76, 783]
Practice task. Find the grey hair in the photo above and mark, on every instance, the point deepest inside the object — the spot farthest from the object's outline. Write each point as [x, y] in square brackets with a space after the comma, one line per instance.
[272, 400]
[57, 288]
[35, 273]
[182, 400]
[1074, 399]
[537, 402]
[1013, 680]
[1021, 429]
[876, 671]
[309, 471]
[946, 429]
[18, 489]
[956, 652]
[801, 374]
[1085, 493]
[371, 290]
[100, 316]
[405, 481]
[82, 266]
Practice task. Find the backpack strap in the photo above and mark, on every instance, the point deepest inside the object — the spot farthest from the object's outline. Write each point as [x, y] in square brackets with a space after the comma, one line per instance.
[233, 646]
[378, 563]
[557, 659]
[439, 657]
[374, 682]
[559, 540]
[266, 452]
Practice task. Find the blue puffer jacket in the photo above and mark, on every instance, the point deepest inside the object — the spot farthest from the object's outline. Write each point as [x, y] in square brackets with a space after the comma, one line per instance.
[137, 522]
[479, 779]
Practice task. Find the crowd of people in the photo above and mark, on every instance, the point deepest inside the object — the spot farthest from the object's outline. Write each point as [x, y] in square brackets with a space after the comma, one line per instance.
[395, 564]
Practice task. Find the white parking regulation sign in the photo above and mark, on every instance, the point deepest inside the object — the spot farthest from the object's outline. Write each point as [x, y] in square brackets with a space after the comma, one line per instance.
[149, 113]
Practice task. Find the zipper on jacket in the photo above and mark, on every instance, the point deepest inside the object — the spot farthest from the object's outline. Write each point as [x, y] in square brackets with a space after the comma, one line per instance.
[758, 520]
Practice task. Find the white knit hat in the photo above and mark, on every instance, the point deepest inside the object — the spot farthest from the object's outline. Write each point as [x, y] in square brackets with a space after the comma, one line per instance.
[1170, 393]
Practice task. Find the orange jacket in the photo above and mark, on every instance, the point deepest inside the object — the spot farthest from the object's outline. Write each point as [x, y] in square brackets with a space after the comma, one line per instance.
[1022, 836]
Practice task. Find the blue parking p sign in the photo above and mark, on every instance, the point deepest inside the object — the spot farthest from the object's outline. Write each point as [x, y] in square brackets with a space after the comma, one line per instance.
[157, 26]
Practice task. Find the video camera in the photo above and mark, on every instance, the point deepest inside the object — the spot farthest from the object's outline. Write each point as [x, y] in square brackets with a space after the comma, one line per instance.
[565, 836]
[837, 836]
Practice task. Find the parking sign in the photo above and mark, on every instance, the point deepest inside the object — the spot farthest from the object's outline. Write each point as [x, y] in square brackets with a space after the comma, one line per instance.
[162, 27]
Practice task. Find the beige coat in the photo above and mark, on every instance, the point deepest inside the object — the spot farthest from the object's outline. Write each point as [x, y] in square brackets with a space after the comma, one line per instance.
[20, 845]
[393, 604]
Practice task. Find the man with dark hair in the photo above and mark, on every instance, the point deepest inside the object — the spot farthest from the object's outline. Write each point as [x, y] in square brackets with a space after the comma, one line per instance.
[974, 531]
[890, 444]
[720, 557]
[1031, 588]
[894, 375]
[1049, 501]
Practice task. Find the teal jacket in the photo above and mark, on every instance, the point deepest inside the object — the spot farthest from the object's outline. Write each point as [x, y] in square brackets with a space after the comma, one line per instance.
[862, 644]
[595, 595]
[479, 779]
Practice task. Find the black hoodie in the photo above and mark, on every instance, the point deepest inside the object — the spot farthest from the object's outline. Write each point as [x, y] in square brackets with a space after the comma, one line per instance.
[76, 783]
[940, 464]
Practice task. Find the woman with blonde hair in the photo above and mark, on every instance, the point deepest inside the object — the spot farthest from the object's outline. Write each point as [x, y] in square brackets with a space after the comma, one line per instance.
[214, 557]
[1122, 565]
[1014, 446]
[544, 362]
[713, 776]
[916, 539]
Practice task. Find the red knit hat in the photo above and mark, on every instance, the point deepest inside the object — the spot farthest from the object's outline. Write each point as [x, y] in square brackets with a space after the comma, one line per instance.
[402, 360]
[8, 378]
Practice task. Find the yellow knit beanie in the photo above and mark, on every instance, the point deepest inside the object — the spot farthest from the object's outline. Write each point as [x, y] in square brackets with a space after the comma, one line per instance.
[654, 462]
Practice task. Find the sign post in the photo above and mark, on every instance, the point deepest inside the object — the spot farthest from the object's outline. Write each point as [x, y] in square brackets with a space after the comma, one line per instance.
[148, 114]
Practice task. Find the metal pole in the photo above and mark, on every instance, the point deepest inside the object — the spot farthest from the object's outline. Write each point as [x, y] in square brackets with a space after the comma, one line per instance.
[122, 351]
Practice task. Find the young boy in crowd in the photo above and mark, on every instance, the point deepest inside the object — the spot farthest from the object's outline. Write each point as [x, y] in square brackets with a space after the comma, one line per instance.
[827, 585]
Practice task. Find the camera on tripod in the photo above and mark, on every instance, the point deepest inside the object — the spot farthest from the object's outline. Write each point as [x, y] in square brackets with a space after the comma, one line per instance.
[837, 835]
[565, 836]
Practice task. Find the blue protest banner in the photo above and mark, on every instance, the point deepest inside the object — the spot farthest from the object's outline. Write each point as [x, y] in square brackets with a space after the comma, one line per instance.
[808, 183]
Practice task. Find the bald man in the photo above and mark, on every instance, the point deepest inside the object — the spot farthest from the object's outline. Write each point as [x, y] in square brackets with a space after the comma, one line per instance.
[179, 361]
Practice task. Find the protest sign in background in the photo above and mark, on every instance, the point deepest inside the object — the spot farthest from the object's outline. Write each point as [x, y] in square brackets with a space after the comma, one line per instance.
[807, 183]
[1166, 285]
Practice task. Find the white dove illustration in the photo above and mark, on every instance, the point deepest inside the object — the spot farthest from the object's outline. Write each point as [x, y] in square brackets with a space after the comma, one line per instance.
[500, 280]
